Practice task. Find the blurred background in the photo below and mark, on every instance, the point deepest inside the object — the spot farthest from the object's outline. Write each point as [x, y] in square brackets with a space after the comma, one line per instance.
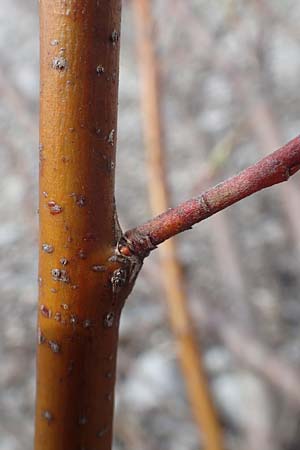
[229, 92]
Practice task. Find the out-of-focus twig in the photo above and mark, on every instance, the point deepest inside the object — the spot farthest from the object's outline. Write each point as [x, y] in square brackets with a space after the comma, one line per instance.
[189, 355]
[266, 132]
[223, 244]
[254, 355]
[218, 157]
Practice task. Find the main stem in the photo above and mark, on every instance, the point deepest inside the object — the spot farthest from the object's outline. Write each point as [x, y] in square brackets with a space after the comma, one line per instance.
[80, 279]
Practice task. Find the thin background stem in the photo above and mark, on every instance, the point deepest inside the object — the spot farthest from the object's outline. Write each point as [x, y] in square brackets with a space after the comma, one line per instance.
[173, 281]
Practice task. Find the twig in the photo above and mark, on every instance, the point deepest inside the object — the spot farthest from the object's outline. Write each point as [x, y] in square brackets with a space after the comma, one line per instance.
[273, 169]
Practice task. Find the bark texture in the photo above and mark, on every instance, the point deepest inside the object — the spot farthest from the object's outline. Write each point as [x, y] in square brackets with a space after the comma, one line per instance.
[80, 277]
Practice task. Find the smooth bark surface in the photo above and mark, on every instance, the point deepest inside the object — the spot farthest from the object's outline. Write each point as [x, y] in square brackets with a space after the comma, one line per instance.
[276, 168]
[79, 303]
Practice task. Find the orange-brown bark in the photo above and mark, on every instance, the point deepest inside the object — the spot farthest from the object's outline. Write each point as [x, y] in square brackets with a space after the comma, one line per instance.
[173, 281]
[79, 302]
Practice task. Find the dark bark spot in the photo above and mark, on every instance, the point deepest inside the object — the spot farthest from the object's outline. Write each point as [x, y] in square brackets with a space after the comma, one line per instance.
[45, 311]
[59, 63]
[54, 208]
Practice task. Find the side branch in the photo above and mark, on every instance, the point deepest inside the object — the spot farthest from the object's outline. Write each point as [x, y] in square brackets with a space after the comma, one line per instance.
[271, 170]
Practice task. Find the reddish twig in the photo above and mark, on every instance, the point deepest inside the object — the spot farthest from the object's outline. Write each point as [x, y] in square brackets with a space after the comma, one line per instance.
[273, 169]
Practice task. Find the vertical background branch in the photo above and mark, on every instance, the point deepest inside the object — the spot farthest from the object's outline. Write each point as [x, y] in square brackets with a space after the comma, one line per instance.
[189, 354]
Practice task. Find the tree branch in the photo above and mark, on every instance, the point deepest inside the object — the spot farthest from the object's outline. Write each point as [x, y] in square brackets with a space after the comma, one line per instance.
[273, 169]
